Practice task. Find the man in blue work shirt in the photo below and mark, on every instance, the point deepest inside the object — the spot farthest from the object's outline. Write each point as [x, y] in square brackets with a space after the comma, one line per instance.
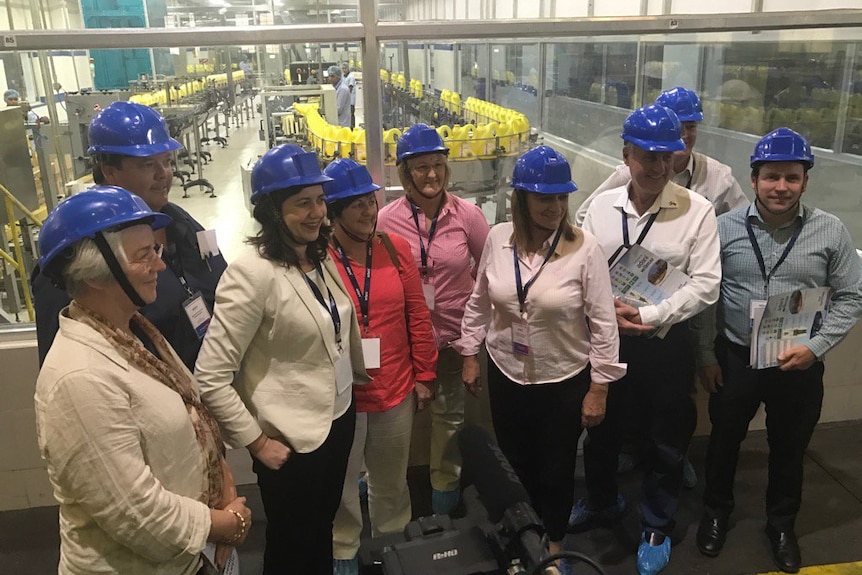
[342, 95]
[774, 246]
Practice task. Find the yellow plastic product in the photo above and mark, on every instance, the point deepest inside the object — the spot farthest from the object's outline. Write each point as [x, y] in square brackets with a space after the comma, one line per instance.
[359, 145]
[345, 142]
[455, 102]
[384, 76]
[390, 139]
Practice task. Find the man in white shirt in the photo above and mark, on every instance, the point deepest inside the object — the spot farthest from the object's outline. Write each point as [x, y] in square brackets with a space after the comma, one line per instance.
[693, 170]
[347, 78]
[679, 227]
[342, 95]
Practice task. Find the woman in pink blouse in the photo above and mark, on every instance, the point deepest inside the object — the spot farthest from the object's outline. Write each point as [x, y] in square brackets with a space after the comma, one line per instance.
[400, 356]
[544, 308]
[446, 235]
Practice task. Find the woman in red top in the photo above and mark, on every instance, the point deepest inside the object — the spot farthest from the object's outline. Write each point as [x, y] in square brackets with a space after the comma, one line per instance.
[400, 355]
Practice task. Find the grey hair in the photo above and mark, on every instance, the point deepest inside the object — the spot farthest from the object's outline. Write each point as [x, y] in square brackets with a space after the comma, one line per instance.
[88, 265]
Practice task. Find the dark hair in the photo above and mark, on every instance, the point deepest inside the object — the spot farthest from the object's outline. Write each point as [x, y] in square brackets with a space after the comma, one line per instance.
[755, 169]
[271, 240]
[335, 209]
[99, 160]
[521, 222]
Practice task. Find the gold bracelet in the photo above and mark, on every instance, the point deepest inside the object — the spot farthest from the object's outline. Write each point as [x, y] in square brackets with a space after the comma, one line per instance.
[242, 527]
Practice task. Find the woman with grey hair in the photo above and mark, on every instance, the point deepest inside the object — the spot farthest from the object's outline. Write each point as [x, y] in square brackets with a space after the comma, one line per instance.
[135, 459]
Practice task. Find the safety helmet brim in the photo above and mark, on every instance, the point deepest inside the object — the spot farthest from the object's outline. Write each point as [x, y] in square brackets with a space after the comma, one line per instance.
[141, 151]
[656, 145]
[288, 183]
[539, 188]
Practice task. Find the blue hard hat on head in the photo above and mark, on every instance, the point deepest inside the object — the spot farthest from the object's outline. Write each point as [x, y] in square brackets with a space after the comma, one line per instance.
[783, 145]
[349, 179]
[654, 128]
[94, 210]
[130, 129]
[684, 102]
[543, 170]
[282, 167]
[417, 140]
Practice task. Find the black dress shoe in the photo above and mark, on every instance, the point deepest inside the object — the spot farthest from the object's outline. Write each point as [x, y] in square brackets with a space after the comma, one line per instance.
[785, 549]
[711, 534]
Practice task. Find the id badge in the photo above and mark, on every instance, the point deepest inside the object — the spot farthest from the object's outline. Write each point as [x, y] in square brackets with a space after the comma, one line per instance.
[371, 352]
[756, 307]
[428, 290]
[521, 338]
[343, 373]
[198, 313]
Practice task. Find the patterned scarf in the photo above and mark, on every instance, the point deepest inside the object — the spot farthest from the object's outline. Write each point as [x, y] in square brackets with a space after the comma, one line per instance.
[169, 372]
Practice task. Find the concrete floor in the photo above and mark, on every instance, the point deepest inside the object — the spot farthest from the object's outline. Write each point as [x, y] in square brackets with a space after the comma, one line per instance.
[829, 526]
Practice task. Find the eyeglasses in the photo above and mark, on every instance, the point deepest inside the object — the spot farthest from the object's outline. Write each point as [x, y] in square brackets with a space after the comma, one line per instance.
[424, 169]
[152, 254]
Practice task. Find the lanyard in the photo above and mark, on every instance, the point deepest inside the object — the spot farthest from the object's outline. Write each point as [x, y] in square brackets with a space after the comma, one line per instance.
[690, 174]
[361, 297]
[759, 255]
[423, 253]
[175, 264]
[626, 245]
[525, 288]
[333, 308]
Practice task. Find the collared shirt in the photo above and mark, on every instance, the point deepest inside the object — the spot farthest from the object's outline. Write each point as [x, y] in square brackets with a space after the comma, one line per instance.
[684, 234]
[570, 311]
[823, 255]
[342, 103]
[702, 175]
[452, 256]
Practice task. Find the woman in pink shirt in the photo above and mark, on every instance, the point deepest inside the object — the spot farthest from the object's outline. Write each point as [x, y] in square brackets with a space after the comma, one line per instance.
[544, 308]
[400, 356]
[446, 235]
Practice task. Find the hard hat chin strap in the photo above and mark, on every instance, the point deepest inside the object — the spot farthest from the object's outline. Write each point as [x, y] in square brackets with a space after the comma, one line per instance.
[117, 270]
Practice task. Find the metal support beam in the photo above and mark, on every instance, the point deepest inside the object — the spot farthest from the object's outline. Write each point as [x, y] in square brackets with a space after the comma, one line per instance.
[371, 89]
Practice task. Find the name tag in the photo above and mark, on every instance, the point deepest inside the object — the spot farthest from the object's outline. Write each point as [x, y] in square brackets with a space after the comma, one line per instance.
[521, 338]
[756, 307]
[428, 291]
[198, 313]
[343, 373]
[371, 352]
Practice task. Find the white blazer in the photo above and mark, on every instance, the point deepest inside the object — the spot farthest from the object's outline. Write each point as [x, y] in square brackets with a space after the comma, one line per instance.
[267, 362]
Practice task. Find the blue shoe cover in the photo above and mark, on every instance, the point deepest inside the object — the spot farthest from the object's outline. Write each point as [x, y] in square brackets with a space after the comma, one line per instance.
[345, 566]
[653, 558]
[445, 502]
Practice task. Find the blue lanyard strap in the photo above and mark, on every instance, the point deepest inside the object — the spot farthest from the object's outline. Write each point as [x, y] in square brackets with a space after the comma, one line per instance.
[333, 308]
[759, 255]
[423, 253]
[361, 297]
[525, 288]
[626, 245]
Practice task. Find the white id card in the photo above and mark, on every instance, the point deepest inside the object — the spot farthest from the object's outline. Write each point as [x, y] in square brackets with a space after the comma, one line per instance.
[198, 313]
[343, 373]
[371, 352]
[428, 290]
[521, 338]
[756, 307]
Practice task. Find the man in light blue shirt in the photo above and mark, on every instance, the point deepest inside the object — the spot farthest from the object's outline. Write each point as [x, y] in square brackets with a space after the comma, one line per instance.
[774, 246]
[342, 95]
[347, 78]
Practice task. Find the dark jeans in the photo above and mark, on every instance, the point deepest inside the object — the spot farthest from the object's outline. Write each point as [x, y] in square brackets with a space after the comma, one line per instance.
[537, 428]
[660, 381]
[792, 399]
[300, 501]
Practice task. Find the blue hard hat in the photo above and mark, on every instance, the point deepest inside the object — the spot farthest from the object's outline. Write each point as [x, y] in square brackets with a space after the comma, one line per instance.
[94, 210]
[543, 170]
[285, 166]
[130, 129]
[783, 145]
[417, 140]
[349, 179]
[654, 128]
[684, 102]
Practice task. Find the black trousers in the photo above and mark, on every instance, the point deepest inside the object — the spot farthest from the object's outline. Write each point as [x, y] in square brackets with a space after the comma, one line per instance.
[660, 381]
[793, 400]
[300, 501]
[537, 428]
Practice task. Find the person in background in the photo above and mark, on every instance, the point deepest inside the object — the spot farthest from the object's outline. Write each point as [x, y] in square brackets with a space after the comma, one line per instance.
[773, 246]
[549, 326]
[342, 95]
[446, 235]
[677, 226]
[400, 354]
[13, 98]
[347, 74]
[132, 148]
[700, 174]
[280, 359]
[135, 460]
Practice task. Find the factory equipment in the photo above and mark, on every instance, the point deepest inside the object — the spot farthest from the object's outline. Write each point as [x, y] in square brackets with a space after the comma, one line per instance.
[81, 107]
[277, 107]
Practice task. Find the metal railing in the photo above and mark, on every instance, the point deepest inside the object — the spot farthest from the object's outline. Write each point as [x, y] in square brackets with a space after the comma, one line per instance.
[17, 261]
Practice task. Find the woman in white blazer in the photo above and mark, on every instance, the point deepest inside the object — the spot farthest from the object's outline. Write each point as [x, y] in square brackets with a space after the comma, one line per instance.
[279, 360]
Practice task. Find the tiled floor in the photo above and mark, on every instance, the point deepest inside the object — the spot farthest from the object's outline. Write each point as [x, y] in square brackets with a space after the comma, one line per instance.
[829, 526]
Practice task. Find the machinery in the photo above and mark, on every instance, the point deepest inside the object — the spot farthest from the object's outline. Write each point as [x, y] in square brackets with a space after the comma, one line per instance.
[82, 106]
[279, 124]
